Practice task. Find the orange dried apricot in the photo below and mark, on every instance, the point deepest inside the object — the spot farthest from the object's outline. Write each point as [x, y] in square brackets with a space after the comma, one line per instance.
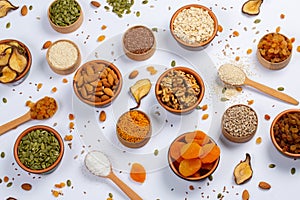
[175, 150]
[138, 173]
[190, 150]
[212, 156]
[197, 136]
[189, 167]
[206, 149]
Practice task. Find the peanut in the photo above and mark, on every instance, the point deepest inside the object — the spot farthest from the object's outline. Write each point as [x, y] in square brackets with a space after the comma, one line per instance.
[264, 185]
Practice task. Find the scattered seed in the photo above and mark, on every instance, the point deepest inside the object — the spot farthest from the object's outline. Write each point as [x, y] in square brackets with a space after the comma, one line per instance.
[224, 99]
[30, 7]
[2, 155]
[173, 63]
[8, 25]
[69, 183]
[138, 13]
[293, 170]
[9, 184]
[257, 21]
[272, 165]
[155, 29]
[156, 152]
[210, 177]
[4, 100]
[224, 90]
[280, 88]
[110, 195]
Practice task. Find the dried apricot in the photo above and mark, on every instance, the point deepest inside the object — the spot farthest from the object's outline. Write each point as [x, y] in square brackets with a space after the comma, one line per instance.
[175, 150]
[138, 173]
[189, 167]
[197, 136]
[190, 150]
[212, 156]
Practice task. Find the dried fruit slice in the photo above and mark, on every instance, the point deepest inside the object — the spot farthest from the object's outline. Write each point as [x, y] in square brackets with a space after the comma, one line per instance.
[139, 90]
[252, 7]
[7, 75]
[189, 167]
[5, 52]
[243, 171]
[5, 7]
[17, 61]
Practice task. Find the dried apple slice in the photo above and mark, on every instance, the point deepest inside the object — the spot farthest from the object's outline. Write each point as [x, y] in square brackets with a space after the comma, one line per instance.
[17, 61]
[7, 75]
[243, 171]
[252, 7]
[5, 52]
[139, 90]
[5, 7]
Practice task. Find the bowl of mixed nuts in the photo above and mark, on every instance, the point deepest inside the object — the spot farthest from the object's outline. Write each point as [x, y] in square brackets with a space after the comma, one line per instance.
[285, 132]
[65, 16]
[193, 156]
[194, 26]
[15, 61]
[39, 149]
[97, 83]
[179, 90]
[274, 51]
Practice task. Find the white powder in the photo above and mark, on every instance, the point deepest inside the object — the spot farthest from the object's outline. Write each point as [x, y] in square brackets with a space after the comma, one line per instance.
[231, 74]
[97, 163]
[63, 54]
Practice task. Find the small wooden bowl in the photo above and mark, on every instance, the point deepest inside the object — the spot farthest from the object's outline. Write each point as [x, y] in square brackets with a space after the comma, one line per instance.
[132, 122]
[273, 137]
[173, 164]
[272, 65]
[66, 29]
[141, 38]
[63, 70]
[196, 46]
[22, 76]
[52, 167]
[187, 71]
[235, 138]
[97, 102]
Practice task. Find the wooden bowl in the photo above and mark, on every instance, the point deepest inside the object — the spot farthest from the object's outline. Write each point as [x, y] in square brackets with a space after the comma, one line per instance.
[233, 136]
[183, 110]
[139, 35]
[96, 95]
[21, 76]
[54, 57]
[131, 124]
[174, 163]
[267, 63]
[48, 169]
[197, 45]
[65, 29]
[276, 133]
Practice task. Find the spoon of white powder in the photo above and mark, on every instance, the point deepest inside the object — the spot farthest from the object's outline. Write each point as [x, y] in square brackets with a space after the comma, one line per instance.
[98, 164]
[235, 76]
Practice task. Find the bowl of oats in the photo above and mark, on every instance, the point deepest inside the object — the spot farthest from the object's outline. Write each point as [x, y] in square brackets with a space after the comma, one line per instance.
[179, 90]
[194, 26]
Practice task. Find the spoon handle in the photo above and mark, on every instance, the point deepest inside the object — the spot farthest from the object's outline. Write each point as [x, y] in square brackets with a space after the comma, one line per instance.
[271, 91]
[125, 188]
[14, 123]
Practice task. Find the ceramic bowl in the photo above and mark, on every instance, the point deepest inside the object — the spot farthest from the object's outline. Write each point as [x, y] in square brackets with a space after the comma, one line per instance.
[54, 55]
[163, 99]
[139, 43]
[97, 83]
[69, 28]
[286, 142]
[174, 163]
[45, 170]
[195, 45]
[22, 47]
[136, 125]
[268, 63]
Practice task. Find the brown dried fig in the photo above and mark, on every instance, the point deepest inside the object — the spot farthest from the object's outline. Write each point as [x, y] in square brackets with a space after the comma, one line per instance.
[243, 171]
[252, 7]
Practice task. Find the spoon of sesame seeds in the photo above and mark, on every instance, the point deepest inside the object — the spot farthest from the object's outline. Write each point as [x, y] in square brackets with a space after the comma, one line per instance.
[42, 109]
[233, 75]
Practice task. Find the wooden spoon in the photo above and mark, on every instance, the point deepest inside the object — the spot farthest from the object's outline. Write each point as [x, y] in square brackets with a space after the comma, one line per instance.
[24, 118]
[99, 165]
[237, 77]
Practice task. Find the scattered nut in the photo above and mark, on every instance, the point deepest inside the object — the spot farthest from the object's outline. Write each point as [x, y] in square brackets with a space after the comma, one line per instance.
[264, 185]
[245, 195]
[47, 44]
[133, 74]
[26, 186]
[24, 10]
[102, 116]
[95, 4]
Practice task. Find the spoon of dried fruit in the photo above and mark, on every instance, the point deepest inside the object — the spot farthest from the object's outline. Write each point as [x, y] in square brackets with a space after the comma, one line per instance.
[98, 164]
[42, 109]
[233, 75]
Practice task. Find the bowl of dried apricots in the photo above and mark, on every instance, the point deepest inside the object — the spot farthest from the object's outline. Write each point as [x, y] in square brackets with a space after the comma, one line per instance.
[193, 156]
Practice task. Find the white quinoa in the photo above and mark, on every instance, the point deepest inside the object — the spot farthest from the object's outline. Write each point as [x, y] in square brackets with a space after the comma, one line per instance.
[231, 74]
[97, 163]
[193, 25]
[63, 55]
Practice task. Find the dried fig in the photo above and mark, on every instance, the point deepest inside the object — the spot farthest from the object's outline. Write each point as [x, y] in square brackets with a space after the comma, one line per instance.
[139, 90]
[243, 171]
[7, 75]
[252, 7]
[5, 7]
[17, 61]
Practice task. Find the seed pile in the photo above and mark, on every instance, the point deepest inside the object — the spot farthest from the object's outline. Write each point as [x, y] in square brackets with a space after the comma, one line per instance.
[38, 149]
[240, 121]
[231, 74]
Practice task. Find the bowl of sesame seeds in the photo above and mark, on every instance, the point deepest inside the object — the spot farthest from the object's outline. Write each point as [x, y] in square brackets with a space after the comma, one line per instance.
[239, 123]
[194, 26]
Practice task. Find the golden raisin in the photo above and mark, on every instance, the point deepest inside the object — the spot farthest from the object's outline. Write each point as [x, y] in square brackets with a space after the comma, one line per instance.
[235, 33]
[298, 48]
[54, 89]
[292, 40]
[204, 107]
[5, 179]
[258, 140]
[65, 80]
[277, 29]
[71, 116]
[267, 117]
[220, 28]
[68, 138]
[204, 117]
[250, 102]
[249, 51]
[39, 86]
[237, 58]
[71, 125]
[282, 16]
[101, 38]
[239, 89]
[103, 27]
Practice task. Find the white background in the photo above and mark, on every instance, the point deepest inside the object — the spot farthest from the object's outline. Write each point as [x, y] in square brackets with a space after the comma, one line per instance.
[161, 183]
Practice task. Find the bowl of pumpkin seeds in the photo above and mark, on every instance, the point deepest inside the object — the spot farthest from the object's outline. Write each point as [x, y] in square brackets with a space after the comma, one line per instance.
[39, 149]
[65, 16]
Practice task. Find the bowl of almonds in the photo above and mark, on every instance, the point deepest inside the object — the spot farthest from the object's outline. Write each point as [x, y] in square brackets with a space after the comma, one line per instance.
[97, 83]
[179, 90]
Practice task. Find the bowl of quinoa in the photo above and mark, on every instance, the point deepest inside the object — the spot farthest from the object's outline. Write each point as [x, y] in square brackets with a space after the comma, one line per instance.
[194, 26]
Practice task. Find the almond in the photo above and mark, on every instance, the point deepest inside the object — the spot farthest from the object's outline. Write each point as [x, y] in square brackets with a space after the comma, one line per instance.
[95, 4]
[102, 116]
[264, 185]
[245, 195]
[26, 186]
[24, 10]
[108, 92]
[47, 44]
[133, 74]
